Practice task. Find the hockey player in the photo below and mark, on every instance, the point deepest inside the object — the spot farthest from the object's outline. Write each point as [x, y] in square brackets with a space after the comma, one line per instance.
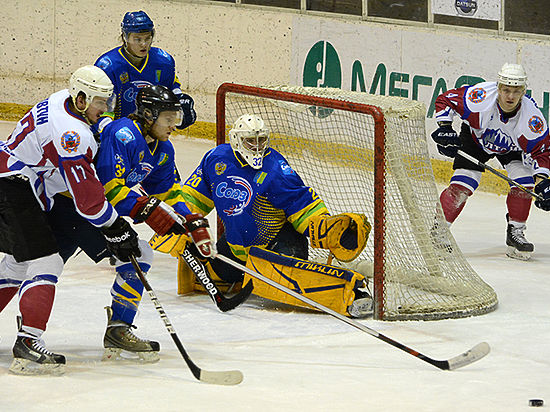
[136, 64]
[263, 202]
[136, 150]
[50, 151]
[501, 121]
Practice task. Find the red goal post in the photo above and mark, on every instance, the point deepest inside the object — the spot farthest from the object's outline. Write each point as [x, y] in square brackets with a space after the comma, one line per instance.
[368, 154]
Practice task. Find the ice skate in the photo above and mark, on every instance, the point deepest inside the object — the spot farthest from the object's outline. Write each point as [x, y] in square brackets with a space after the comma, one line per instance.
[362, 306]
[119, 337]
[32, 358]
[518, 246]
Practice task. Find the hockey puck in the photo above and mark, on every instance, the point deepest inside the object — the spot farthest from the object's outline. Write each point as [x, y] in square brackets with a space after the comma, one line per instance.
[536, 402]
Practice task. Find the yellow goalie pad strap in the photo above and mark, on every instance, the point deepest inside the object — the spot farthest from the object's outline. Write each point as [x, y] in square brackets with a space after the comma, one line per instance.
[173, 244]
[331, 286]
[326, 232]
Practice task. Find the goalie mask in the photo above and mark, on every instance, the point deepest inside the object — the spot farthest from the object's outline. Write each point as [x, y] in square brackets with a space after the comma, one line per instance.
[95, 85]
[250, 138]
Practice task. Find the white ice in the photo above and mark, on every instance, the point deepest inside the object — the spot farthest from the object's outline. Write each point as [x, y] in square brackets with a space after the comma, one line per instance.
[299, 360]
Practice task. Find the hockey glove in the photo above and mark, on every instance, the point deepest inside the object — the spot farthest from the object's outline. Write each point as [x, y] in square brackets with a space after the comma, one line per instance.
[189, 114]
[157, 215]
[198, 229]
[122, 240]
[447, 140]
[98, 127]
[543, 189]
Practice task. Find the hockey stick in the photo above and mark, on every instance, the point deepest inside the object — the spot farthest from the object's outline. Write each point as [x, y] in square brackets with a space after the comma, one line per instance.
[223, 303]
[470, 356]
[496, 172]
[216, 377]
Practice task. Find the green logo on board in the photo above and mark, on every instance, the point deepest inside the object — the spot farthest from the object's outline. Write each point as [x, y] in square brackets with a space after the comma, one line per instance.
[322, 69]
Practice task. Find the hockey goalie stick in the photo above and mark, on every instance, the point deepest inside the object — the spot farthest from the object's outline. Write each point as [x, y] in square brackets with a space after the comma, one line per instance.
[466, 358]
[497, 173]
[201, 273]
[215, 377]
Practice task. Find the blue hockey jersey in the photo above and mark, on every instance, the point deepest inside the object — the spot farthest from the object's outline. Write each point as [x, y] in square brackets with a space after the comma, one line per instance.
[158, 68]
[253, 204]
[126, 160]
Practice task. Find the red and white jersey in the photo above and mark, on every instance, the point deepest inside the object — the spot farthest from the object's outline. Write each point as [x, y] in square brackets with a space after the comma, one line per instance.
[54, 148]
[495, 132]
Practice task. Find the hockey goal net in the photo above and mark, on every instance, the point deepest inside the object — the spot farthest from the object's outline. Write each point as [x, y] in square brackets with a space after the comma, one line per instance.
[368, 154]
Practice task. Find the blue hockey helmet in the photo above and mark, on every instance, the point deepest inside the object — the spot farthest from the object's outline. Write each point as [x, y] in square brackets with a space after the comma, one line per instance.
[137, 22]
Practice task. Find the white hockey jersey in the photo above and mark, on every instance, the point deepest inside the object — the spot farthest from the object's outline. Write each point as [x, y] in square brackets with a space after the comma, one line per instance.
[54, 148]
[493, 130]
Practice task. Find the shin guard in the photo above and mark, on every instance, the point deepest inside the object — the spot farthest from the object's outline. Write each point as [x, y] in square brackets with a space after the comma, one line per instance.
[35, 305]
[518, 204]
[453, 199]
[126, 293]
[6, 295]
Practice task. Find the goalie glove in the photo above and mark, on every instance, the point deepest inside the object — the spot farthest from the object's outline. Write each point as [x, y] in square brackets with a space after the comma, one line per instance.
[345, 235]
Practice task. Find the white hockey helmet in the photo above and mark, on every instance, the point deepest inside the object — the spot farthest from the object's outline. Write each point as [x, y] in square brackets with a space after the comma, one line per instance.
[250, 138]
[93, 82]
[512, 75]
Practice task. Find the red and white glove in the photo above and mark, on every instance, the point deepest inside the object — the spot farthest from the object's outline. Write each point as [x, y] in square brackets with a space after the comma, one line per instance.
[157, 214]
[198, 229]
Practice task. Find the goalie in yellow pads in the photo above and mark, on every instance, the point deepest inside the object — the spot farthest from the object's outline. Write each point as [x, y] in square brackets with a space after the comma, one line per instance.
[263, 202]
[339, 289]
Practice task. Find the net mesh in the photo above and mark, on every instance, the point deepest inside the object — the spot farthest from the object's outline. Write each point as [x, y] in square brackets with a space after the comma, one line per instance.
[422, 274]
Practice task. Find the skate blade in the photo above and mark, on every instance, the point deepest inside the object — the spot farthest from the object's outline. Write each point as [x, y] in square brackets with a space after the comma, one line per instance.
[513, 253]
[118, 354]
[27, 367]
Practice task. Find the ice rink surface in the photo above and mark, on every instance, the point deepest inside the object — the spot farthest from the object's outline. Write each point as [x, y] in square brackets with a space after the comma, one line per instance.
[299, 360]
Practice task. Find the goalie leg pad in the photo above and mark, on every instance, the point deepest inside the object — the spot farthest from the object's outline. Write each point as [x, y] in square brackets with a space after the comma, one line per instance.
[331, 286]
[345, 235]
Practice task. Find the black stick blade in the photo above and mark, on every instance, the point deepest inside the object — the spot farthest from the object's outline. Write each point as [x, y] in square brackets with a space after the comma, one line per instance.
[227, 304]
